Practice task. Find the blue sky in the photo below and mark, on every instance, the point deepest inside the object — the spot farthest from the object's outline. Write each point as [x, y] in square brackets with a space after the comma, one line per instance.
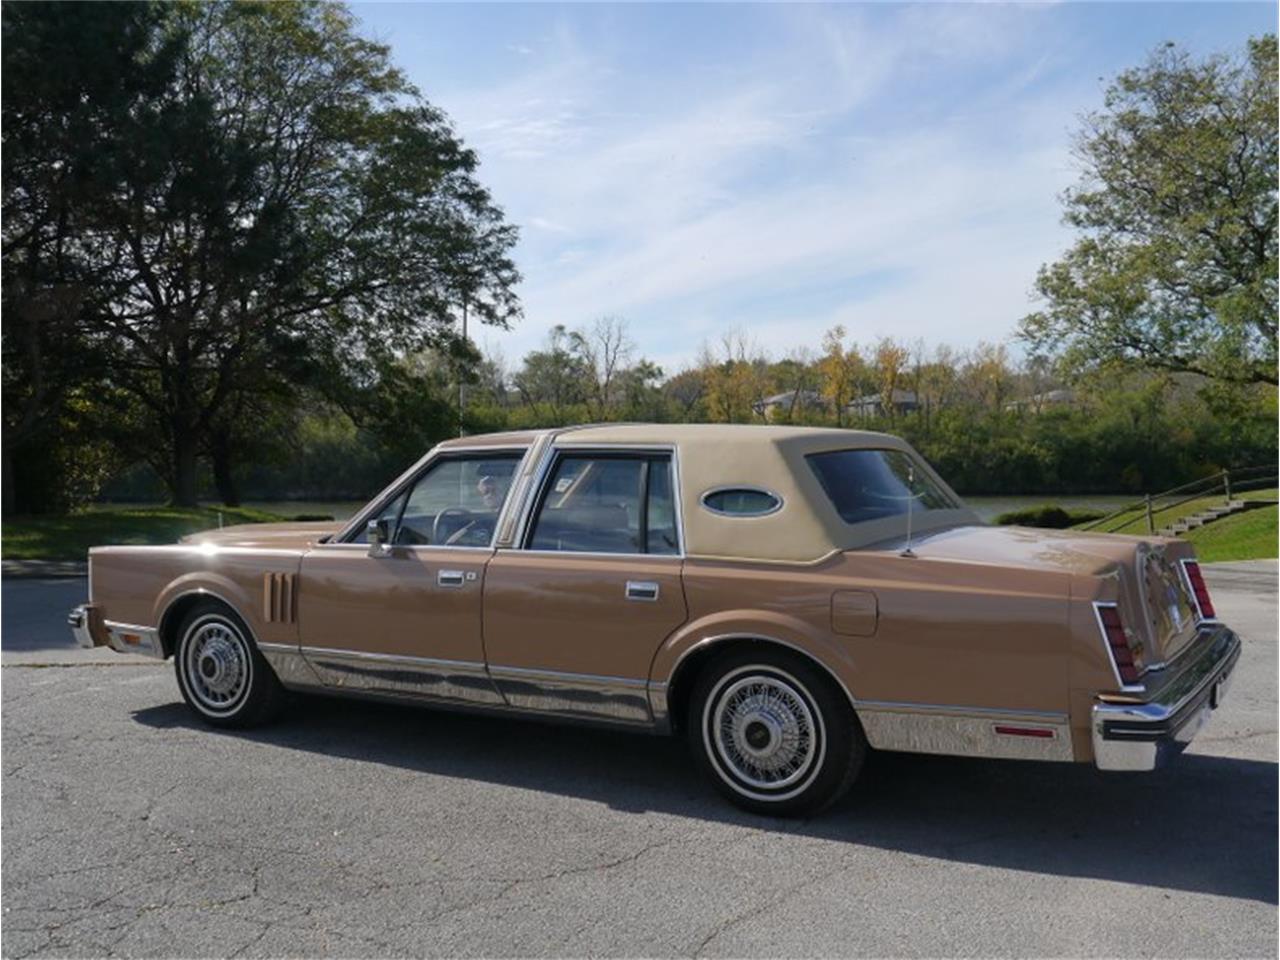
[780, 168]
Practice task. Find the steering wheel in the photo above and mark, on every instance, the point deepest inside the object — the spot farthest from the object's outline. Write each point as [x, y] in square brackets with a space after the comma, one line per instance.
[462, 512]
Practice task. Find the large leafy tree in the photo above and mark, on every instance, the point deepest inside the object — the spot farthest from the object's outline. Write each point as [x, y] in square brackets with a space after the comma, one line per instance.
[285, 209]
[1175, 265]
[73, 75]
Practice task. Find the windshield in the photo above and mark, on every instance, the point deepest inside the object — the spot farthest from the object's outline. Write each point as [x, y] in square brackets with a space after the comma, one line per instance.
[873, 484]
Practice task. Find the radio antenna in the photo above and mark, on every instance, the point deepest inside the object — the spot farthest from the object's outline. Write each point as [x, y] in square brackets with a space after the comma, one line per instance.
[911, 482]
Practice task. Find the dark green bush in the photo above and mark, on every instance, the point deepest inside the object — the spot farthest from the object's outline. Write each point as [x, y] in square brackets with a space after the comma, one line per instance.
[1048, 515]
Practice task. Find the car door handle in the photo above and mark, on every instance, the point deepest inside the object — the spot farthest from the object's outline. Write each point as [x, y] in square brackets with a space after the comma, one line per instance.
[449, 578]
[642, 590]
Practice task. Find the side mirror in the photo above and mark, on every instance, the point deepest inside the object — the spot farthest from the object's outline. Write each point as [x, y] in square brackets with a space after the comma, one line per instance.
[378, 533]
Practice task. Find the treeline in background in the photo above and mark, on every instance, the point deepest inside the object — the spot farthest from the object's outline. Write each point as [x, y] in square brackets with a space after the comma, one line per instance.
[989, 424]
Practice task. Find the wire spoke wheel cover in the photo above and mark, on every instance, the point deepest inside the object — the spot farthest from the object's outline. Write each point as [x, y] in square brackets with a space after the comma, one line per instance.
[216, 665]
[763, 733]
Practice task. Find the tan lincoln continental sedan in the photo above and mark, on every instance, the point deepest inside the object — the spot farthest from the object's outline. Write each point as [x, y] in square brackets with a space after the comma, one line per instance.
[784, 597]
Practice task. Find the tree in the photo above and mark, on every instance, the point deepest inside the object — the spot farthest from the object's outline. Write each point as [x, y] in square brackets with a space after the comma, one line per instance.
[1176, 264]
[72, 75]
[604, 349]
[284, 206]
[890, 362]
[552, 379]
[735, 380]
[687, 390]
[840, 368]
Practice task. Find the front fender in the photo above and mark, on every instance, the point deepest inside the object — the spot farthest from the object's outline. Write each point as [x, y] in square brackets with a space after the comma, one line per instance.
[210, 584]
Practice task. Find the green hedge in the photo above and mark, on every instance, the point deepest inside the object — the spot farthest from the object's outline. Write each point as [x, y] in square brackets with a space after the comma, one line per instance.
[1048, 515]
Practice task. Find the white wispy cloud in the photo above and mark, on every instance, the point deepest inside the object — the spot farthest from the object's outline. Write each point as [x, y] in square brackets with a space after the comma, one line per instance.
[699, 210]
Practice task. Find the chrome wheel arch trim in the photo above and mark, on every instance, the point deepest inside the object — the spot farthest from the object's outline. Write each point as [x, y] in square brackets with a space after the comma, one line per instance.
[163, 621]
[659, 691]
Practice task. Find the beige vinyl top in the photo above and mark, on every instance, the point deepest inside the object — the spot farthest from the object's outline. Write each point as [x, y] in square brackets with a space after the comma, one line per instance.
[711, 456]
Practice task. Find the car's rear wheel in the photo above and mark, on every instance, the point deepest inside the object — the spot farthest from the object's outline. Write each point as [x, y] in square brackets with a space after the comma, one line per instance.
[222, 675]
[774, 733]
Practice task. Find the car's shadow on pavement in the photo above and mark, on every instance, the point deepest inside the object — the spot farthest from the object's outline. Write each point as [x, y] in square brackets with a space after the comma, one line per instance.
[1203, 825]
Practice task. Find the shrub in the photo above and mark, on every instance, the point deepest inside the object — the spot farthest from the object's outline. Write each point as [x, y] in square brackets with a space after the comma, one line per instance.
[1048, 515]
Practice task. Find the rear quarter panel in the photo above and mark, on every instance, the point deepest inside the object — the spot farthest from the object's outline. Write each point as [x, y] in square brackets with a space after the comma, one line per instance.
[945, 633]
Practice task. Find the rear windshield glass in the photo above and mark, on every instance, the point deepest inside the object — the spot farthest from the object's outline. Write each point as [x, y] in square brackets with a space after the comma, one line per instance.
[873, 484]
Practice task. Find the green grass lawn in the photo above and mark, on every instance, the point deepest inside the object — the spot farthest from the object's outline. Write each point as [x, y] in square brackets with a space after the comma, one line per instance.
[1135, 521]
[70, 537]
[1244, 536]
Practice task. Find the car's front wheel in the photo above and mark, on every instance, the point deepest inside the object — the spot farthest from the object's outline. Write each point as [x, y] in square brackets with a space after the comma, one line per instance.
[222, 675]
[774, 733]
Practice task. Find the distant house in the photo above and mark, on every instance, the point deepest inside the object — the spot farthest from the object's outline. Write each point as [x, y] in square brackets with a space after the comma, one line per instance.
[783, 404]
[1042, 401]
[872, 405]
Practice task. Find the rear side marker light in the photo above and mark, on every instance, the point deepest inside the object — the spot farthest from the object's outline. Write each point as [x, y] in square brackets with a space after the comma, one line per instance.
[1122, 655]
[1196, 579]
[1041, 732]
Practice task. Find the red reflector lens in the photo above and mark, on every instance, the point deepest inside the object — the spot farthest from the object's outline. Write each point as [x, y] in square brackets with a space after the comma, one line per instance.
[1025, 732]
[1199, 589]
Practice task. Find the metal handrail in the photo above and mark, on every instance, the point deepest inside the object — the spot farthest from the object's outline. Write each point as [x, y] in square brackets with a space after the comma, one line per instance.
[1222, 480]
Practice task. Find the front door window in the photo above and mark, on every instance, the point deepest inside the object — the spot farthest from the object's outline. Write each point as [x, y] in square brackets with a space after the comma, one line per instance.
[454, 504]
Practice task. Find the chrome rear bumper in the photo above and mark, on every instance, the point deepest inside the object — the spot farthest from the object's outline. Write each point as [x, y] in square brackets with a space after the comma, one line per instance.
[1142, 736]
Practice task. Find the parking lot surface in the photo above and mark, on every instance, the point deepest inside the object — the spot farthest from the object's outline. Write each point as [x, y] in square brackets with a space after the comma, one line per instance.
[357, 830]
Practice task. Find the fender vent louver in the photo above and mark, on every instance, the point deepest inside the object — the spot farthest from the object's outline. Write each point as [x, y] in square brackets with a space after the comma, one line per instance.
[278, 597]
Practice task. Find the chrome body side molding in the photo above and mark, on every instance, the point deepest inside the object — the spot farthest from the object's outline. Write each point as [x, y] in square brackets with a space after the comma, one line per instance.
[618, 699]
[967, 731]
[413, 678]
[291, 666]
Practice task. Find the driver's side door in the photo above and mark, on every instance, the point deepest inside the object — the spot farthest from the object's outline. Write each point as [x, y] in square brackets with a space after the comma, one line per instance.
[407, 619]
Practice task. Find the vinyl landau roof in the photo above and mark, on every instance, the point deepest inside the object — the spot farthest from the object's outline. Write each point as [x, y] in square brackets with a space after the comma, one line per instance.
[806, 529]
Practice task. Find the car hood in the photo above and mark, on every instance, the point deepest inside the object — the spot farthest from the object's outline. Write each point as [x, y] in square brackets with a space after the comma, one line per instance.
[277, 536]
[1065, 551]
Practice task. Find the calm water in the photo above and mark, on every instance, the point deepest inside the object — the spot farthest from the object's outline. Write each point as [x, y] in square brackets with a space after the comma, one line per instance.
[991, 507]
[986, 507]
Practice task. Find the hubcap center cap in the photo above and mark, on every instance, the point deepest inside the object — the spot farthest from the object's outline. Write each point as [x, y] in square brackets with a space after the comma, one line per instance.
[757, 735]
[219, 666]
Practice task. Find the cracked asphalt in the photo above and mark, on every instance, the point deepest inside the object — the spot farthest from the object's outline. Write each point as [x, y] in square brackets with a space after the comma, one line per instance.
[365, 830]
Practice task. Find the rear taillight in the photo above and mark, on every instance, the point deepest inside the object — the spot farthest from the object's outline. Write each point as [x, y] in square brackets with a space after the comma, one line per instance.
[1127, 657]
[1196, 579]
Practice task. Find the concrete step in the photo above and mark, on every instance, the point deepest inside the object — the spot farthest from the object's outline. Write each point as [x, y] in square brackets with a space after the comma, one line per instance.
[1208, 515]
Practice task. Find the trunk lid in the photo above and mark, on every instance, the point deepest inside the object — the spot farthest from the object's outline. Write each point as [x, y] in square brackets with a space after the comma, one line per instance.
[1155, 597]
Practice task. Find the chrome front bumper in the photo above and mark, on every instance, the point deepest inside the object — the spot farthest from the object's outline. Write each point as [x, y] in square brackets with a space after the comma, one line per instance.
[90, 631]
[78, 621]
[1142, 736]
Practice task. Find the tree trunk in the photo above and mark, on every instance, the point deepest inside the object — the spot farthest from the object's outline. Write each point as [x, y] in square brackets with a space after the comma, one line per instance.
[223, 474]
[182, 485]
[10, 492]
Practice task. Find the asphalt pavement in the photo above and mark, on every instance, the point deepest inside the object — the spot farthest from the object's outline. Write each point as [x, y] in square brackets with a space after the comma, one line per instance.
[356, 829]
